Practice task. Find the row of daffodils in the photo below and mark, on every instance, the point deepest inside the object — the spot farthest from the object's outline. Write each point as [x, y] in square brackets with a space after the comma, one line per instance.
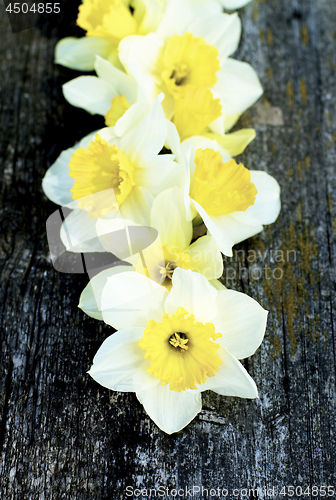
[158, 189]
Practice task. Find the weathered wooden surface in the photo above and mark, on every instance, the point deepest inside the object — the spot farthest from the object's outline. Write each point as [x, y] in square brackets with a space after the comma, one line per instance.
[64, 437]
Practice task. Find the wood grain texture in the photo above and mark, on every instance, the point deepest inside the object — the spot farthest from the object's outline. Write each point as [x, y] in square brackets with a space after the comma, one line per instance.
[64, 437]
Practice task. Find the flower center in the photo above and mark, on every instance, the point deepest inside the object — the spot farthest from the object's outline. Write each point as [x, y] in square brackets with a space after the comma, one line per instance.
[221, 188]
[182, 351]
[108, 19]
[96, 170]
[179, 340]
[190, 67]
[179, 75]
[168, 270]
[189, 60]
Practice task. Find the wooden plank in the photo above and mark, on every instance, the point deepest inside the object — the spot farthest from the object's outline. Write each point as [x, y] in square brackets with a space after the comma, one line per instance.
[61, 435]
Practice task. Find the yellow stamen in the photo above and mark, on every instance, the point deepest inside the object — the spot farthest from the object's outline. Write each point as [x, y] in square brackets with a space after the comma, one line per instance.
[178, 341]
[174, 362]
[119, 105]
[189, 60]
[195, 110]
[99, 168]
[221, 188]
[173, 259]
[108, 19]
[168, 270]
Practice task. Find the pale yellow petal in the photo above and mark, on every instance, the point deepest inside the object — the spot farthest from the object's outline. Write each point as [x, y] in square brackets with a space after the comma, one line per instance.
[235, 143]
[230, 121]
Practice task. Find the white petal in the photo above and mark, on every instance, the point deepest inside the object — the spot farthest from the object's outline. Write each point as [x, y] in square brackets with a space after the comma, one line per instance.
[221, 30]
[139, 55]
[136, 207]
[169, 218]
[168, 106]
[189, 167]
[194, 293]
[114, 235]
[161, 173]
[173, 142]
[108, 133]
[199, 142]
[90, 299]
[124, 238]
[170, 410]
[267, 205]
[133, 243]
[231, 379]
[57, 183]
[238, 87]
[218, 125]
[123, 84]
[230, 121]
[179, 15]
[226, 230]
[80, 53]
[152, 262]
[189, 148]
[78, 233]
[145, 139]
[90, 93]
[132, 299]
[119, 363]
[206, 257]
[150, 13]
[234, 4]
[131, 118]
[241, 321]
[217, 284]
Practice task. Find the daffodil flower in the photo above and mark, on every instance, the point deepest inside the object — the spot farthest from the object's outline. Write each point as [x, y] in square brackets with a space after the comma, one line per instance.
[232, 201]
[172, 249]
[107, 22]
[171, 346]
[205, 90]
[200, 7]
[112, 92]
[187, 59]
[210, 4]
[116, 172]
